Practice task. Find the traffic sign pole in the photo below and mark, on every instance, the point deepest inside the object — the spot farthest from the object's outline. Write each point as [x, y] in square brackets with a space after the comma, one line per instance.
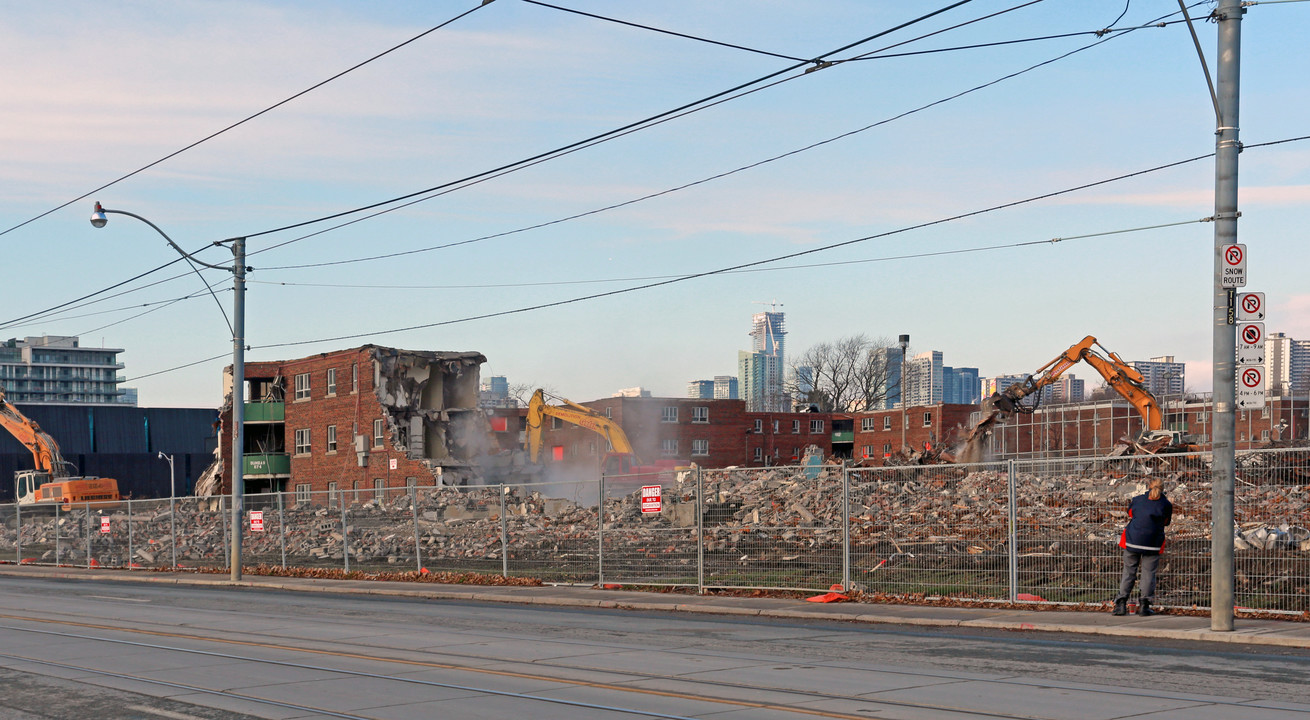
[1228, 17]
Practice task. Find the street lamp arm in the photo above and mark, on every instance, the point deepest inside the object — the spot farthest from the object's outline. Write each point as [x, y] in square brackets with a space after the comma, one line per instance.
[100, 212]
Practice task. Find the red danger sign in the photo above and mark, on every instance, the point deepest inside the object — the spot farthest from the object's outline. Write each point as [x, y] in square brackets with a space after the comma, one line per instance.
[650, 498]
[256, 521]
[104, 525]
[1252, 377]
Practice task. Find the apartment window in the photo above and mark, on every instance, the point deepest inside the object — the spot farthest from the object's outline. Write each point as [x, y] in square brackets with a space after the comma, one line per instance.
[669, 414]
[700, 414]
[354, 377]
[868, 451]
[775, 427]
[886, 448]
[379, 489]
[411, 486]
[302, 386]
[866, 424]
[795, 453]
[377, 432]
[795, 427]
[700, 447]
[302, 441]
[816, 426]
[1242, 436]
[759, 454]
[332, 493]
[1264, 436]
[1264, 412]
[609, 413]
[332, 381]
[556, 423]
[331, 438]
[302, 493]
[759, 426]
[927, 419]
[669, 446]
[886, 422]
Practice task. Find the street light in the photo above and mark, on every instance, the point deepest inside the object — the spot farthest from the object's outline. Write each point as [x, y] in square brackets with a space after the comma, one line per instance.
[99, 218]
[172, 507]
[904, 342]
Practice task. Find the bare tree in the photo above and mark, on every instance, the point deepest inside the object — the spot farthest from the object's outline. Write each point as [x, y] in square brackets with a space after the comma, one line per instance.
[521, 393]
[845, 375]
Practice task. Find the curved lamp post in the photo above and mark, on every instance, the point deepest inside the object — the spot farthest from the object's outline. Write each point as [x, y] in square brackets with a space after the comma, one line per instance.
[238, 269]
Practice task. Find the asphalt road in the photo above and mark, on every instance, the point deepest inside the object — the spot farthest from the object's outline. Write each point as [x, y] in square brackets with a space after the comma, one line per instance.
[74, 649]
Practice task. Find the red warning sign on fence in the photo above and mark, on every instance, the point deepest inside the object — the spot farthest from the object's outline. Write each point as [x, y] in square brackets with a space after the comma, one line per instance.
[104, 524]
[256, 521]
[650, 498]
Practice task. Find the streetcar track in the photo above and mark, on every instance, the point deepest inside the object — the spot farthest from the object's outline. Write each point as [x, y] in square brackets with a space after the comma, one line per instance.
[504, 673]
[809, 695]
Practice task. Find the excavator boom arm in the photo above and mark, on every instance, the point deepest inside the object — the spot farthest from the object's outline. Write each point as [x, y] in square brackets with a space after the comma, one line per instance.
[574, 414]
[44, 449]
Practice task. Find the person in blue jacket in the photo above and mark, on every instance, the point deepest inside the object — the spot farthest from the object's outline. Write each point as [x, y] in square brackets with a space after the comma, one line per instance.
[1142, 542]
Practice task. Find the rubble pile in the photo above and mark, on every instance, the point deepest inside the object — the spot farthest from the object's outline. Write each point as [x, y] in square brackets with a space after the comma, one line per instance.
[930, 528]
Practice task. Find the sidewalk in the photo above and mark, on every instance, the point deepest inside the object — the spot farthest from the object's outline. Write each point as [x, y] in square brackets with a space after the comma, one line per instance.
[1171, 627]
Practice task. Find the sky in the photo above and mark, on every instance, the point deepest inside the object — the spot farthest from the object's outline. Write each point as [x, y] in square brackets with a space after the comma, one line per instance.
[858, 167]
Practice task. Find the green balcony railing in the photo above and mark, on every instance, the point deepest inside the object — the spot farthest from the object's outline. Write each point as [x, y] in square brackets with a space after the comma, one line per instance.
[844, 436]
[268, 464]
[265, 412]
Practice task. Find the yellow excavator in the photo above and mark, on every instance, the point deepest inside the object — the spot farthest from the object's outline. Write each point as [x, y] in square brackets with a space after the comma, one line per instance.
[1119, 375]
[621, 460]
[49, 483]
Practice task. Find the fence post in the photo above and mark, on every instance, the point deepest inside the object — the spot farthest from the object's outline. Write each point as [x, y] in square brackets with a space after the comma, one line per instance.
[59, 536]
[845, 526]
[418, 550]
[129, 533]
[88, 535]
[18, 530]
[700, 533]
[600, 532]
[504, 535]
[282, 529]
[172, 530]
[345, 532]
[1014, 531]
[227, 520]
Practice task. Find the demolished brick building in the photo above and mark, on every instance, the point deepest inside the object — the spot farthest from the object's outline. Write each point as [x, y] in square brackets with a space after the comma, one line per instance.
[367, 418]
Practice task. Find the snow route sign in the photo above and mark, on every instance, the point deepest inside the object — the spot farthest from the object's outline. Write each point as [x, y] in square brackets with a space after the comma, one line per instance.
[1234, 266]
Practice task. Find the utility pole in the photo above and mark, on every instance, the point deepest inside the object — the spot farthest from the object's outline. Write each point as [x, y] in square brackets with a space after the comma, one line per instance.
[1228, 17]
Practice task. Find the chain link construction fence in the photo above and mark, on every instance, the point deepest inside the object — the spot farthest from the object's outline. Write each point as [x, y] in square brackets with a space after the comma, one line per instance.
[1017, 530]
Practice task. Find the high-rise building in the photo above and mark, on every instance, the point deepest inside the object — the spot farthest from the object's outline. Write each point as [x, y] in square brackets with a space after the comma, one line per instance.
[1068, 389]
[495, 393]
[57, 370]
[924, 384]
[1162, 376]
[701, 389]
[1287, 365]
[761, 370]
[960, 385]
[725, 387]
[887, 365]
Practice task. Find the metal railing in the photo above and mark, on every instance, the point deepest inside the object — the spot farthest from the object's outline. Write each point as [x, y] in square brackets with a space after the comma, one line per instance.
[1040, 530]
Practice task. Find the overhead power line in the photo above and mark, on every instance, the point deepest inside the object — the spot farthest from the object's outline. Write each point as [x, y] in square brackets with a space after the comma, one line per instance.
[756, 263]
[666, 32]
[243, 121]
[609, 133]
[694, 183]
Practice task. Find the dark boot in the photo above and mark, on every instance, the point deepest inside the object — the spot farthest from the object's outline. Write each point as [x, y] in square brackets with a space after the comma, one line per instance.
[1144, 607]
[1121, 607]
